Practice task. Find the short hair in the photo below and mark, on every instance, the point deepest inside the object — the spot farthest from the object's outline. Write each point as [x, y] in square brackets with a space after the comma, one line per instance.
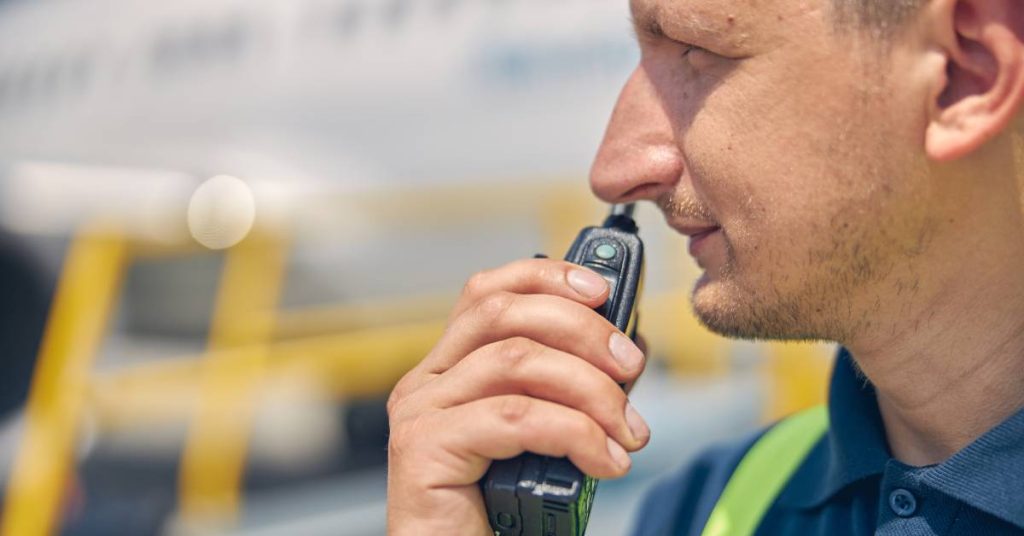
[887, 17]
[884, 16]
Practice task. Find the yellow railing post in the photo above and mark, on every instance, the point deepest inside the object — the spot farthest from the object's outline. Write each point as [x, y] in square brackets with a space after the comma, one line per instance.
[213, 462]
[86, 293]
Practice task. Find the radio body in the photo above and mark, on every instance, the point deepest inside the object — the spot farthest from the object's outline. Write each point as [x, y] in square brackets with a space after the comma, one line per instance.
[533, 495]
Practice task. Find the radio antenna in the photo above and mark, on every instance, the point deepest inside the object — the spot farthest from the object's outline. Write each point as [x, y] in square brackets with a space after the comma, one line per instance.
[621, 217]
[626, 210]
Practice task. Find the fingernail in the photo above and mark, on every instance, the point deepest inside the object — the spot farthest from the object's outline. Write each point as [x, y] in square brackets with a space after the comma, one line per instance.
[637, 426]
[587, 283]
[625, 352]
[619, 454]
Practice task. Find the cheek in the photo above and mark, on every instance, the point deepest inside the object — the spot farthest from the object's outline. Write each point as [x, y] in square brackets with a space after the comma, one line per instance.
[761, 160]
[788, 164]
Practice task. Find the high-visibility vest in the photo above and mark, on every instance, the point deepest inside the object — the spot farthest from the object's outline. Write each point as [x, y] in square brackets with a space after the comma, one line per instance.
[764, 471]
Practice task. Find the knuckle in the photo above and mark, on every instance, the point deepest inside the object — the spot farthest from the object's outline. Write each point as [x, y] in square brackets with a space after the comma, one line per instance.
[397, 437]
[605, 401]
[407, 433]
[413, 430]
[582, 426]
[394, 399]
[615, 403]
[584, 320]
[399, 393]
[514, 409]
[512, 352]
[592, 318]
[474, 285]
[552, 273]
[494, 306]
[392, 404]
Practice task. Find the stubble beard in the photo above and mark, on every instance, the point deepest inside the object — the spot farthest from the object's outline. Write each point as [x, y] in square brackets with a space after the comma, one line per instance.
[818, 308]
[832, 289]
[866, 253]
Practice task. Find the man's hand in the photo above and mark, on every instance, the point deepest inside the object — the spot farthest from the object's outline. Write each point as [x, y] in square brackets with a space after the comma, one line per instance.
[526, 364]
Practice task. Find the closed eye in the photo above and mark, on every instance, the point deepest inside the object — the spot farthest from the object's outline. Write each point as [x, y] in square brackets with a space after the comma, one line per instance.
[649, 31]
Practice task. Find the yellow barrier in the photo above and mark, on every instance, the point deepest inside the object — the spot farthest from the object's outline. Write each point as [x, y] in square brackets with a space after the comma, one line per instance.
[315, 321]
[74, 331]
[371, 347]
[346, 366]
[215, 451]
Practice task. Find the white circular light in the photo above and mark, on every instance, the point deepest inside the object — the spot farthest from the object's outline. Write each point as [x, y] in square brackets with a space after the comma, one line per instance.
[221, 212]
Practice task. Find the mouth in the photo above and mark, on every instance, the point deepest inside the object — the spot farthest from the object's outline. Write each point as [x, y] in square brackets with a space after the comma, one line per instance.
[700, 241]
[696, 232]
[691, 227]
[700, 234]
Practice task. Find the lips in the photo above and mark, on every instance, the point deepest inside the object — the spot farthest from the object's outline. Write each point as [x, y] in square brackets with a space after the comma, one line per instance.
[699, 241]
[693, 229]
[692, 219]
[700, 233]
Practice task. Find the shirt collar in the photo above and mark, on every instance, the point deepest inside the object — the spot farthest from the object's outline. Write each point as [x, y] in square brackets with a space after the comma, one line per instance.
[854, 447]
[986, 474]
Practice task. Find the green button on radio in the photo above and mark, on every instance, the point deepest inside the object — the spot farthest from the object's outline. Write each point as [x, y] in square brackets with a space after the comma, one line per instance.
[606, 252]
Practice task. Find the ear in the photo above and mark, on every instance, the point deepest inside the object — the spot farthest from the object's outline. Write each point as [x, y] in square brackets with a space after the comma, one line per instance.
[983, 88]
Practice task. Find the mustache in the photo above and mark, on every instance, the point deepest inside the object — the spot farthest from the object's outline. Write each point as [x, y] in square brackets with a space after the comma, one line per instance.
[684, 207]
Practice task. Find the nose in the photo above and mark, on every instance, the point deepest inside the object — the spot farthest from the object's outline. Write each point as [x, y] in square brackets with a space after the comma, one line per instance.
[639, 158]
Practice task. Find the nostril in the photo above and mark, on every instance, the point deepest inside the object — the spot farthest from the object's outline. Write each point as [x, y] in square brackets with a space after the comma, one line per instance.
[645, 191]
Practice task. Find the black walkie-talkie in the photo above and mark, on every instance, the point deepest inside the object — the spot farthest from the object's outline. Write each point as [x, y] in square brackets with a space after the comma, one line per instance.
[533, 495]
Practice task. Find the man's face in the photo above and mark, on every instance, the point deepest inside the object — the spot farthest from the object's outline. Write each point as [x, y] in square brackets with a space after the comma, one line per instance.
[792, 149]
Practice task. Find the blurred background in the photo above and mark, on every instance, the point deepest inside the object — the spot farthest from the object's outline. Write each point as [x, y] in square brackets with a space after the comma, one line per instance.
[228, 227]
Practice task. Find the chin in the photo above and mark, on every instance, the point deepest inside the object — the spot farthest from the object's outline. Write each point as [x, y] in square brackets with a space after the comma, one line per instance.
[725, 308]
[720, 309]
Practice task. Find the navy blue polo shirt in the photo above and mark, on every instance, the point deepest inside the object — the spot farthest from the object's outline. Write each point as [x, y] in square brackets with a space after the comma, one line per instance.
[850, 485]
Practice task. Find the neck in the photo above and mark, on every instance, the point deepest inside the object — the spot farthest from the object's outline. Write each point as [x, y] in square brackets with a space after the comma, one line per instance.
[952, 368]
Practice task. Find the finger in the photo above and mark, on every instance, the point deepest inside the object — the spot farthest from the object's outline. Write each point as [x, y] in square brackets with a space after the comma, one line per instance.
[641, 343]
[529, 276]
[502, 427]
[535, 276]
[523, 367]
[552, 321]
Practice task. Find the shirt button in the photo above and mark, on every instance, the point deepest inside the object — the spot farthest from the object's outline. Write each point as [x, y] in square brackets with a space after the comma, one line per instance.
[902, 502]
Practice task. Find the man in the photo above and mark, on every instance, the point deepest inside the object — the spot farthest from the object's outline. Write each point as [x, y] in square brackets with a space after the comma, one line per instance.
[848, 170]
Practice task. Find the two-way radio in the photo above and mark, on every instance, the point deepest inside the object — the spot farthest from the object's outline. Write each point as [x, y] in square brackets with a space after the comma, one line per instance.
[533, 495]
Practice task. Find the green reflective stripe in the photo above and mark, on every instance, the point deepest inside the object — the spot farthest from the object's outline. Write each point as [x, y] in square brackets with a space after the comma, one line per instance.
[763, 471]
